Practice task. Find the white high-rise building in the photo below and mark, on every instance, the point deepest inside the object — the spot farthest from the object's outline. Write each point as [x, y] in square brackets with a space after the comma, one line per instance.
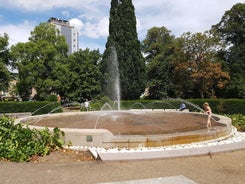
[70, 33]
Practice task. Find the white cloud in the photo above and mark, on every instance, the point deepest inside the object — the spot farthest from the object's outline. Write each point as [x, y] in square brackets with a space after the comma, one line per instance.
[180, 16]
[92, 30]
[91, 17]
[40, 5]
[77, 23]
[103, 27]
[18, 32]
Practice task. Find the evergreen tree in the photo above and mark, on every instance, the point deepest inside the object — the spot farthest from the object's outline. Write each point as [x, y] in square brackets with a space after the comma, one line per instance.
[123, 45]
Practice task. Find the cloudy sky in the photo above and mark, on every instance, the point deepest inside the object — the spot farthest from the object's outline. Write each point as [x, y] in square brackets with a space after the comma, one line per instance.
[19, 17]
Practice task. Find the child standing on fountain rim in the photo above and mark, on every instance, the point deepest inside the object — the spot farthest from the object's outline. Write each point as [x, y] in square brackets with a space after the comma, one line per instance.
[208, 111]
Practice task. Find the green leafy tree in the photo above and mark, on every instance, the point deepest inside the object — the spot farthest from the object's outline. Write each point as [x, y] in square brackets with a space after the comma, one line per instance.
[5, 76]
[41, 62]
[158, 48]
[231, 30]
[86, 75]
[123, 39]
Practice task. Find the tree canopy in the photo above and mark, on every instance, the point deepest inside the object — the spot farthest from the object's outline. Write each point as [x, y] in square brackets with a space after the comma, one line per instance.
[86, 75]
[194, 65]
[202, 65]
[231, 30]
[158, 48]
[39, 61]
[5, 76]
[184, 66]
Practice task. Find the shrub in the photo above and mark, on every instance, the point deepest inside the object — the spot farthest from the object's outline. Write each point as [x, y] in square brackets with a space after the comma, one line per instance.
[238, 120]
[35, 107]
[19, 144]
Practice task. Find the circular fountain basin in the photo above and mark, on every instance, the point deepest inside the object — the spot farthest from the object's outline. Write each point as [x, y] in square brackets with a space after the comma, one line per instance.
[132, 128]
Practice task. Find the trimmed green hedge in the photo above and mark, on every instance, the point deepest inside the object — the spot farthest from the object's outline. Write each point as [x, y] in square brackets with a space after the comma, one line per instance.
[36, 107]
[223, 106]
[219, 106]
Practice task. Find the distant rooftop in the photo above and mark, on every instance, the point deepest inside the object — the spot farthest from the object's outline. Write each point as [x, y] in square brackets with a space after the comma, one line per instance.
[59, 21]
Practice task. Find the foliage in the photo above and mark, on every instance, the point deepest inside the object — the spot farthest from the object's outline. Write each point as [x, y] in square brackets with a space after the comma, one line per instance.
[86, 75]
[238, 120]
[52, 98]
[4, 61]
[123, 39]
[201, 64]
[19, 144]
[40, 62]
[35, 107]
[158, 47]
[97, 104]
[219, 106]
[231, 30]
[223, 106]
[183, 66]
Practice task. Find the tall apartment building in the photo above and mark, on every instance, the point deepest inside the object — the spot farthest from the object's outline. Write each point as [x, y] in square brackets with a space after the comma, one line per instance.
[70, 33]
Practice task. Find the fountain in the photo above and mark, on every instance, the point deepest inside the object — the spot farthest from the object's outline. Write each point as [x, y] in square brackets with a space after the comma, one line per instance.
[131, 128]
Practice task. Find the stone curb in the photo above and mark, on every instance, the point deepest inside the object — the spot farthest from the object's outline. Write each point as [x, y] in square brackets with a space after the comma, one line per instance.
[161, 154]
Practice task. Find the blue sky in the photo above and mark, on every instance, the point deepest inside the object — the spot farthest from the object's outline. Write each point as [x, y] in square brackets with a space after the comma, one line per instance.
[91, 17]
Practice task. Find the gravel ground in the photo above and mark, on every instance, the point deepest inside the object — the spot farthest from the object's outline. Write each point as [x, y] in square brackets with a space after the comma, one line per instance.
[223, 168]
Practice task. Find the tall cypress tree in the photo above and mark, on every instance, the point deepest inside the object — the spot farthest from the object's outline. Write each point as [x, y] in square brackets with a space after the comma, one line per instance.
[124, 40]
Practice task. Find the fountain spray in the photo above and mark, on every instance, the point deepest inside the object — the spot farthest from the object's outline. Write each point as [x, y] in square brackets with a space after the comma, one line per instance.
[115, 67]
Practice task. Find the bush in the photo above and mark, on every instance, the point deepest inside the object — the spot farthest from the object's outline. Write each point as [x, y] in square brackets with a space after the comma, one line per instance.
[19, 144]
[223, 106]
[238, 120]
[52, 98]
[35, 107]
[219, 106]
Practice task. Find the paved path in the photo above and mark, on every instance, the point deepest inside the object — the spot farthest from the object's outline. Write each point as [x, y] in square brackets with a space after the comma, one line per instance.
[208, 150]
[224, 168]
[165, 180]
[219, 164]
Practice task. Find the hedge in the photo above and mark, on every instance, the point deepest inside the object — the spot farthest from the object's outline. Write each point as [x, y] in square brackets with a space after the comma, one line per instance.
[35, 107]
[219, 106]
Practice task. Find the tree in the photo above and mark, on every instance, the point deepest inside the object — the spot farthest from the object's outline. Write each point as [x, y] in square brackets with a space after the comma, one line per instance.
[201, 64]
[40, 60]
[158, 48]
[5, 76]
[123, 40]
[86, 75]
[231, 30]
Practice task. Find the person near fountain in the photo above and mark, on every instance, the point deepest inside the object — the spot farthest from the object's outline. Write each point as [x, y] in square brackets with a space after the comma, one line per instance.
[182, 106]
[86, 104]
[208, 111]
